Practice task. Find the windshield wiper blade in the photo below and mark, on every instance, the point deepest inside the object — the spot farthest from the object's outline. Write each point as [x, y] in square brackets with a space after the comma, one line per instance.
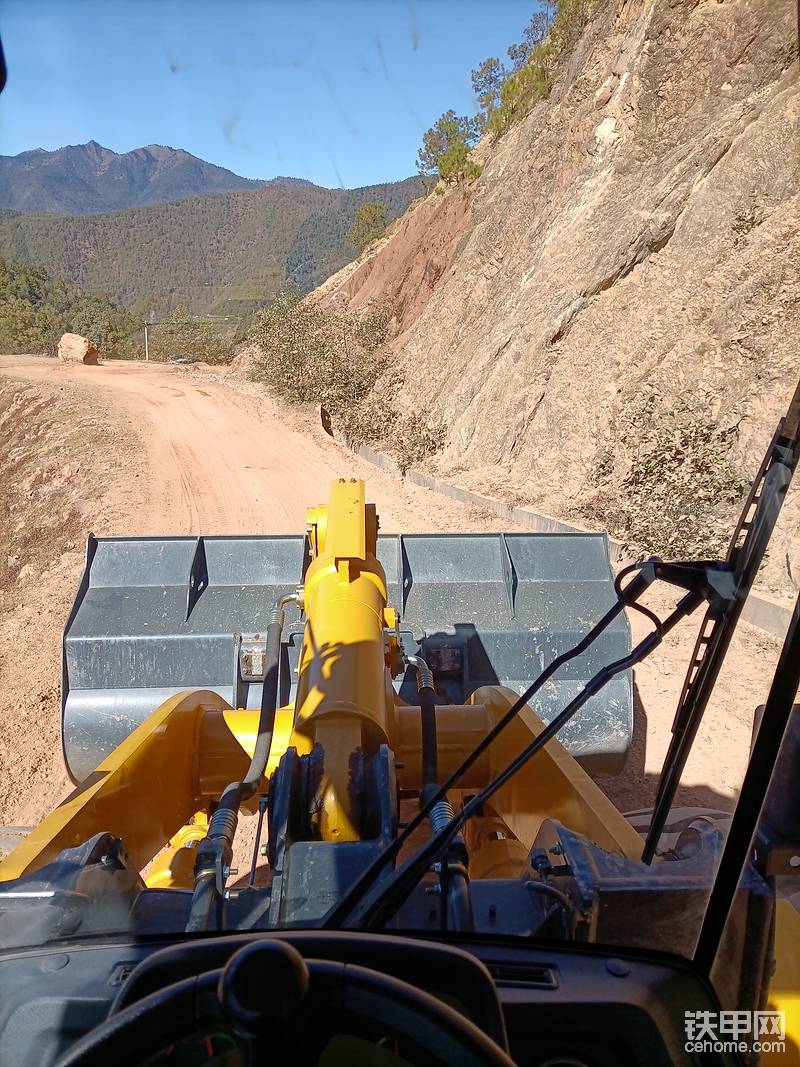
[376, 908]
[753, 794]
[748, 545]
[339, 914]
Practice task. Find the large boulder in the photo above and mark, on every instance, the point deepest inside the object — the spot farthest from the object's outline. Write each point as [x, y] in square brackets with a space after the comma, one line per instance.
[72, 348]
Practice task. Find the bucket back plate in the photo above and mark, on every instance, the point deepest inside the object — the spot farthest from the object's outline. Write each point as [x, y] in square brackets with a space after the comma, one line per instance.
[154, 616]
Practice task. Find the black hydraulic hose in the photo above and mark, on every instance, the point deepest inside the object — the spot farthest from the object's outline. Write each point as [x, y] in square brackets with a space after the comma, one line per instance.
[550, 891]
[427, 707]
[203, 900]
[217, 847]
[269, 705]
[454, 877]
[458, 903]
[213, 857]
[430, 754]
[237, 792]
[570, 914]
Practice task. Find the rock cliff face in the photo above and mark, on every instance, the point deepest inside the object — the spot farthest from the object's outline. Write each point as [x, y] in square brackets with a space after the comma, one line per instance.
[608, 320]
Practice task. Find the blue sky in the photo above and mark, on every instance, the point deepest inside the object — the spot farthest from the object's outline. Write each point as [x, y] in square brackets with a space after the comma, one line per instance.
[337, 91]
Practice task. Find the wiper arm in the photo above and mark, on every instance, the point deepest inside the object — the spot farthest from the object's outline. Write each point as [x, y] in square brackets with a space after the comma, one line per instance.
[339, 914]
[378, 906]
[748, 545]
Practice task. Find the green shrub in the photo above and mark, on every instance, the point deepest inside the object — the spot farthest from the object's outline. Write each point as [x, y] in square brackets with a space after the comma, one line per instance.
[487, 81]
[36, 309]
[369, 422]
[182, 334]
[539, 61]
[677, 487]
[313, 355]
[415, 438]
[309, 354]
[455, 164]
[410, 438]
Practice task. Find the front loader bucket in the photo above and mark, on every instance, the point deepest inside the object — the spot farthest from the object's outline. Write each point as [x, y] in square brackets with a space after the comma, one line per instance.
[155, 616]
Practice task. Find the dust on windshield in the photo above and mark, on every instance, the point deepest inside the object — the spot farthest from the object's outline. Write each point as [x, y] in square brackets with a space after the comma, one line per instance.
[353, 361]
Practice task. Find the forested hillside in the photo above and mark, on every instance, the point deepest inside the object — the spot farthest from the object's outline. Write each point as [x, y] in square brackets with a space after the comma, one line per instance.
[36, 309]
[224, 253]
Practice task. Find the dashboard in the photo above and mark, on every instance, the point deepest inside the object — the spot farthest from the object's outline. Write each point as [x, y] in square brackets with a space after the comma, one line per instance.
[561, 1006]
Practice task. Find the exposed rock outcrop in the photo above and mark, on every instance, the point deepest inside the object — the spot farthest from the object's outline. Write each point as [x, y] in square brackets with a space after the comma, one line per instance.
[617, 326]
[419, 251]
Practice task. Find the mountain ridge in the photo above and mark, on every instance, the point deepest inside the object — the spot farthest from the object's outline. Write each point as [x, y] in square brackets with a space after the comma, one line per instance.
[89, 179]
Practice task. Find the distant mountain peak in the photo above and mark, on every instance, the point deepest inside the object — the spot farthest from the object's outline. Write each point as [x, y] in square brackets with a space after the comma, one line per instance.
[282, 179]
[165, 150]
[90, 178]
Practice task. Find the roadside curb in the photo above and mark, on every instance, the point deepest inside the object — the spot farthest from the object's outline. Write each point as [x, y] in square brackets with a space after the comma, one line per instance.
[758, 610]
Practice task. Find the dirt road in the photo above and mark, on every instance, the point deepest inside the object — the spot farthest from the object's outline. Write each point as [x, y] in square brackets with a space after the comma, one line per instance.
[145, 449]
[221, 460]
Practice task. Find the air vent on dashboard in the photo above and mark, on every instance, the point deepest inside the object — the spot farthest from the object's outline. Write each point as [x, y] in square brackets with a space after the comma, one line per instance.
[523, 974]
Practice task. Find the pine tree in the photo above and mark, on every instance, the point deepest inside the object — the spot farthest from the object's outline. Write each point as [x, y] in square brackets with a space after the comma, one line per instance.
[369, 224]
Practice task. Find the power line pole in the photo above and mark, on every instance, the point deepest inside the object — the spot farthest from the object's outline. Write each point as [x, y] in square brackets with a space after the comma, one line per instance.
[146, 349]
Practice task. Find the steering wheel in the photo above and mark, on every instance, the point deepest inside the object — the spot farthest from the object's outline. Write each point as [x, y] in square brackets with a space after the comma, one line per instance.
[267, 986]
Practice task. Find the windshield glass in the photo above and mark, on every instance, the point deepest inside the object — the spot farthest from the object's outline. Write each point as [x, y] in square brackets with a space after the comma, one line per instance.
[380, 347]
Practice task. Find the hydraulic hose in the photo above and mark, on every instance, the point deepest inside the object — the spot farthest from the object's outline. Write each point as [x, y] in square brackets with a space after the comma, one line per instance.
[455, 879]
[215, 851]
[427, 706]
[441, 813]
[204, 898]
[458, 903]
[269, 702]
